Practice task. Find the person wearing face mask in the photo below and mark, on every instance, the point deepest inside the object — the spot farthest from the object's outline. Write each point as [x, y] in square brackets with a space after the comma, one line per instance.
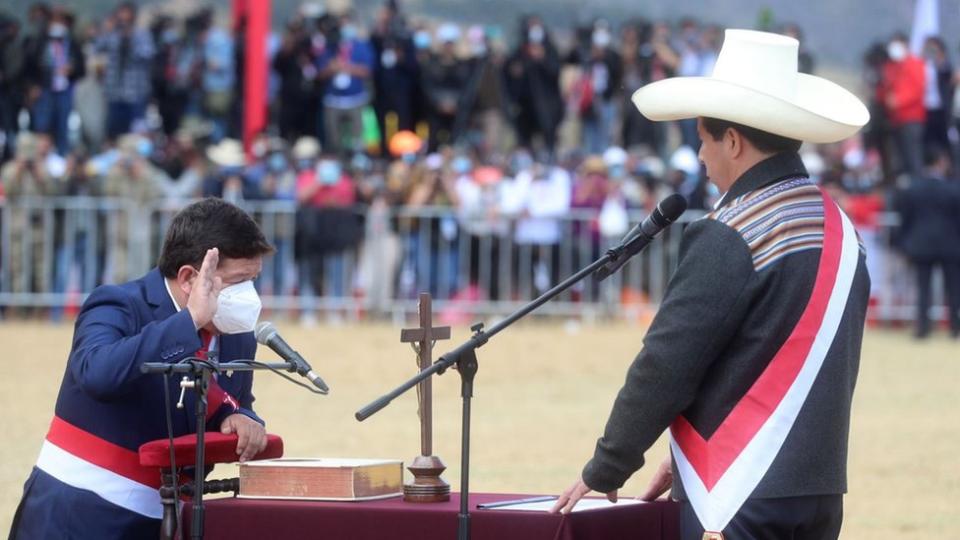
[902, 90]
[532, 76]
[444, 80]
[129, 51]
[345, 66]
[597, 91]
[218, 79]
[327, 226]
[137, 183]
[199, 299]
[51, 72]
[940, 89]
[396, 68]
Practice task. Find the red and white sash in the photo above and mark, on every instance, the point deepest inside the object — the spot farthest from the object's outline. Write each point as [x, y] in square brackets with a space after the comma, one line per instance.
[719, 473]
[85, 461]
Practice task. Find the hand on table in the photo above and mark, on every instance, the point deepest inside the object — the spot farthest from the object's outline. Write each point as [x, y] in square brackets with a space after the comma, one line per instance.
[252, 436]
[662, 481]
[569, 498]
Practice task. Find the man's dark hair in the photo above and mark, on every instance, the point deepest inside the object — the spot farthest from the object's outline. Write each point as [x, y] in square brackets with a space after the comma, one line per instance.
[763, 141]
[210, 223]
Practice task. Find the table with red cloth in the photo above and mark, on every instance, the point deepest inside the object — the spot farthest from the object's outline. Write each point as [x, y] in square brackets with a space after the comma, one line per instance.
[237, 519]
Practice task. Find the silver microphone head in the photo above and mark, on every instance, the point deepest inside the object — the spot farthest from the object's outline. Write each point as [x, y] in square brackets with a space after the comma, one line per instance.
[264, 331]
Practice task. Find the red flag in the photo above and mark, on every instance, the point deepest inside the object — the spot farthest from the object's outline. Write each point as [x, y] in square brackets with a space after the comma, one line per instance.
[256, 13]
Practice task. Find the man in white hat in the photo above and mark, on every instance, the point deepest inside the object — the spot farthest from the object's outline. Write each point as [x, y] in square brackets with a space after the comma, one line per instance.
[752, 358]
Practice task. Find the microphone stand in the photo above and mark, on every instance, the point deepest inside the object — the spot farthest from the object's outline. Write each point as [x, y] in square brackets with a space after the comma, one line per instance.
[464, 360]
[200, 372]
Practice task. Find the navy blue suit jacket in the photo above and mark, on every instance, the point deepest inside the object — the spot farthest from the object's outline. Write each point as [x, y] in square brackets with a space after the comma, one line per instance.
[105, 394]
[121, 327]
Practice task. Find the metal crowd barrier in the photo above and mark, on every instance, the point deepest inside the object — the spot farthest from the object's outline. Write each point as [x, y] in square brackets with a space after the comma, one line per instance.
[54, 251]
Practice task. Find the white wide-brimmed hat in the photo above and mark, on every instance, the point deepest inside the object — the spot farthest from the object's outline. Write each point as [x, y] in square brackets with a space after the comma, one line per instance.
[756, 83]
[306, 148]
[227, 153]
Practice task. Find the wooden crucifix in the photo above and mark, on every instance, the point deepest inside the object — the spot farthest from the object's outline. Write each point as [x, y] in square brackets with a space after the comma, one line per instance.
[427, 485]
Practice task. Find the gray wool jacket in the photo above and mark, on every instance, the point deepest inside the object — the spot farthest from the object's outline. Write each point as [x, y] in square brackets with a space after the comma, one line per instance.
[745, 274]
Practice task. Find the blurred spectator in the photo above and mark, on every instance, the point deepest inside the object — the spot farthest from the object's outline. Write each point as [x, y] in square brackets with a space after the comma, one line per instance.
[480, 195]
[381, 248]
[90, 99]
[50, 72]
[396, 68]
[533, 85]
[129, 53]
[538, 197]
[11, 83]
[938, 97]
[299, 97]
[596, 93]
[432, 240]
[184, 165]
[688, 179]
[615, 159]
[930, 235]
[346, 66]
[218, 78]
[276, 180]
[327, 226]
[902, 91]
[651, 187]
[173, 74]
[590, 192]
[614, 210]
[485, 100]
[647, 57]
[692, 63]
[34, 172]
[877, 134]
[805, 61]
[445, 79]
[269, 175]
[35, 35]
[137, 183]
[226, 178]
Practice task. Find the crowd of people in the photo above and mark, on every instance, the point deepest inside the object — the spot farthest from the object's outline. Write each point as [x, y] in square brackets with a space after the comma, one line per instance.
[408, 112]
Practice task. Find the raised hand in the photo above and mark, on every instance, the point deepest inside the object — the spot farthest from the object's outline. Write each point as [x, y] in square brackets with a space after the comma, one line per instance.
[202, 302]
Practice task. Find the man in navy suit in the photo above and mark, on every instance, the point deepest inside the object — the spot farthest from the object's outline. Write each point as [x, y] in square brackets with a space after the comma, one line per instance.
[930, 235]
[88, 482]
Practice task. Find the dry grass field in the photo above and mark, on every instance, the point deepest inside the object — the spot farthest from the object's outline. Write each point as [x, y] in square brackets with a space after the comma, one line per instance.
[543, 393]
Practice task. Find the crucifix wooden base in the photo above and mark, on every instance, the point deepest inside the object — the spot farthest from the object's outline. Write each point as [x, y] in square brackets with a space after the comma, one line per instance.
[427, 486]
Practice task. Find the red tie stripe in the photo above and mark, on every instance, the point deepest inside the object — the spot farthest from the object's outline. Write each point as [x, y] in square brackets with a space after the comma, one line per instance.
[217, 397]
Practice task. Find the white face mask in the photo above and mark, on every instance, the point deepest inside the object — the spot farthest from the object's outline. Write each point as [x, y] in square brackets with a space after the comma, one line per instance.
[238, 308]
[897, 51]
[601, 38]
[536, 34]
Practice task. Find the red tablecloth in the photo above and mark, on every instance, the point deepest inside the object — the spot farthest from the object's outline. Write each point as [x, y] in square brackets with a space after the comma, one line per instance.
[236, 519]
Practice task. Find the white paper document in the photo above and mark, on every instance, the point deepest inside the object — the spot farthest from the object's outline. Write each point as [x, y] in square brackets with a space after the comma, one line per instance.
[582, 506]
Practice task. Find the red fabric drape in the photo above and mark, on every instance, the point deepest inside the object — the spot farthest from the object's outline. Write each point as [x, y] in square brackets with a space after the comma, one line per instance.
[257, 16]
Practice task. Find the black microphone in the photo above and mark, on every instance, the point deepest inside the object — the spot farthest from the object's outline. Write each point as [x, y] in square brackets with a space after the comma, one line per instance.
[267, 335]
[666, 212]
